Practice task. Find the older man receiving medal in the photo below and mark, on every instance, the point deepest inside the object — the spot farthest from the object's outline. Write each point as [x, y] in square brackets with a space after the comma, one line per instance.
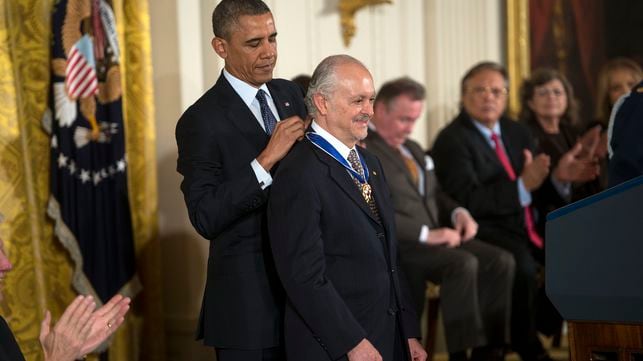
[332, 232]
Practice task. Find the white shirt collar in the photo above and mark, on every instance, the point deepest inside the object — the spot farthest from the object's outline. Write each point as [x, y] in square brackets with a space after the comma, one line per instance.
[486, 132]
[336, 143]
[246, 91]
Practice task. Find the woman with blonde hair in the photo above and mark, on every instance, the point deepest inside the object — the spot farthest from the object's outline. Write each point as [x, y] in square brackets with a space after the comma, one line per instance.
[616, 78]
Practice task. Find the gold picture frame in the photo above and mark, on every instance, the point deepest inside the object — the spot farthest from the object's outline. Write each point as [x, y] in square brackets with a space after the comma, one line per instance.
[518, 46]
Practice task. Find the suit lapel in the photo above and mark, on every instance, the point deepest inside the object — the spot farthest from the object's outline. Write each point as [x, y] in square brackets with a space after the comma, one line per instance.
[513, 152]
[240, 116]
[284, 106]
[378, 191]
[429, 183]
[483, 144]
[392, 156]
[340, 176]
[384, 207]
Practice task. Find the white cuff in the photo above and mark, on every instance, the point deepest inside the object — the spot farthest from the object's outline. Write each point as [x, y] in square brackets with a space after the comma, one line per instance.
[523, 193]
[564, 189]
[263, 177]
[424, 234]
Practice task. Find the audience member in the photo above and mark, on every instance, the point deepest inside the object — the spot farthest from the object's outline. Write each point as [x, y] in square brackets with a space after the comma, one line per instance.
[549, 110]
[626, 128]
[436, 237]
[332, 232]
[616, 78]
[484, 161]
[79, 331]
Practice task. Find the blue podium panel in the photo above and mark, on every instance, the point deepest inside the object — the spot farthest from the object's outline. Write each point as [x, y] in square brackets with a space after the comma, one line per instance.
[594, 256]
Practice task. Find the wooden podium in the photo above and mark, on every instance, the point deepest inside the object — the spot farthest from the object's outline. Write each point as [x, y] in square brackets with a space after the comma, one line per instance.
[594, 272]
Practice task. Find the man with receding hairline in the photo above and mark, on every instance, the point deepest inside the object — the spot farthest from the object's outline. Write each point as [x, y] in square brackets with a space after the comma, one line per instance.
[332, 232]
[437, 237]
[483, 160]
[229, 142]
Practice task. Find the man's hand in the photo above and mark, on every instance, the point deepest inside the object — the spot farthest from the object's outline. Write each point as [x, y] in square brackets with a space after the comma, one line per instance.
[465, 225]
[364, 351]
[572, 168]
[447, 236]
[64, 342]
[104, 322]
[535, 170]
[284, 135]
[417, 351]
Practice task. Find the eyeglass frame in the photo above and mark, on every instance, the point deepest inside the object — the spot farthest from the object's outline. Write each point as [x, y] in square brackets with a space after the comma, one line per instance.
[481, 91]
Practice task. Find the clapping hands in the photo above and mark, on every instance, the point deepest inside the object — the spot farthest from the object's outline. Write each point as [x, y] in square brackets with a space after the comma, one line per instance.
[81, 328]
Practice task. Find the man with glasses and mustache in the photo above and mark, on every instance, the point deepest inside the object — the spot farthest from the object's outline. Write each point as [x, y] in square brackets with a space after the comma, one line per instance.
[483, 160]
[332, 232]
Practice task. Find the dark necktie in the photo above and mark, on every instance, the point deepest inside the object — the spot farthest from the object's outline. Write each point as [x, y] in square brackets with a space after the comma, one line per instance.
[529, 220]
[269, 120]
[365, 189]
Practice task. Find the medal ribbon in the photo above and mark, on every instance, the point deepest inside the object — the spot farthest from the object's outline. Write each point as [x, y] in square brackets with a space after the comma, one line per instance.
[323, 144]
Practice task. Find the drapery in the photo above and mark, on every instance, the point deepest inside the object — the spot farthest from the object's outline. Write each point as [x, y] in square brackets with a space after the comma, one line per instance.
[41, 277]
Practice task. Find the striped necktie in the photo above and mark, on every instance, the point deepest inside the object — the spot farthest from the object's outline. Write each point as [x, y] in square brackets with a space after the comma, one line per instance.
[365, 189]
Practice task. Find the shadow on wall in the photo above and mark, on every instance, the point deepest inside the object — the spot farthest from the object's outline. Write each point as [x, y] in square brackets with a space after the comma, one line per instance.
[184, 260]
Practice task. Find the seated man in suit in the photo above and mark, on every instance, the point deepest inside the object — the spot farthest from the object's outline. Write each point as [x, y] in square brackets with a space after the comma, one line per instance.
[483, 160]
[332, 232]
[436, 237]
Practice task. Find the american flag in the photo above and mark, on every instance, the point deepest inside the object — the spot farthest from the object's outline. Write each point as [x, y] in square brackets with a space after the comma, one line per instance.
[81, 79]
[89, 199]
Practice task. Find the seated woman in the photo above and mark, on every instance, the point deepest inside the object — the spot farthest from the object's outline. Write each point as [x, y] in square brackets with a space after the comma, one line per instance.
[615, 79]
[550, 112]
[80, 329]
[625, 129]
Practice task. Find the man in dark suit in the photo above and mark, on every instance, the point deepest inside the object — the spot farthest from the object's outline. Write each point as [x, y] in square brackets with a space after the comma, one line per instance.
[436, 237]
[229, 141]
[483, 160]
[332, 232]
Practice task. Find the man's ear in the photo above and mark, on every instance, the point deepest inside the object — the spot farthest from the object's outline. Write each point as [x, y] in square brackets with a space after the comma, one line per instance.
[380, 108]
[220, 45]
[320, 103]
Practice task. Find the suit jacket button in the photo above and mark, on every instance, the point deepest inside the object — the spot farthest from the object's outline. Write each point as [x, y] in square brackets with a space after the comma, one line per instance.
[391, 312]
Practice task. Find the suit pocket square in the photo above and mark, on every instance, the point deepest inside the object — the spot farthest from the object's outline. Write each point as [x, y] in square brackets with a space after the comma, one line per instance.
[428, 162]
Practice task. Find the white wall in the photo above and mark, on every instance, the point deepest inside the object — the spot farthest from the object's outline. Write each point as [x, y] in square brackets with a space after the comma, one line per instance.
[432, 41]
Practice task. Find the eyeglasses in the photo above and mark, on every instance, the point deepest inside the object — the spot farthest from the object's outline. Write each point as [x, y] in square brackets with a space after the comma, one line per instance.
[481, 91]
[545, 92]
